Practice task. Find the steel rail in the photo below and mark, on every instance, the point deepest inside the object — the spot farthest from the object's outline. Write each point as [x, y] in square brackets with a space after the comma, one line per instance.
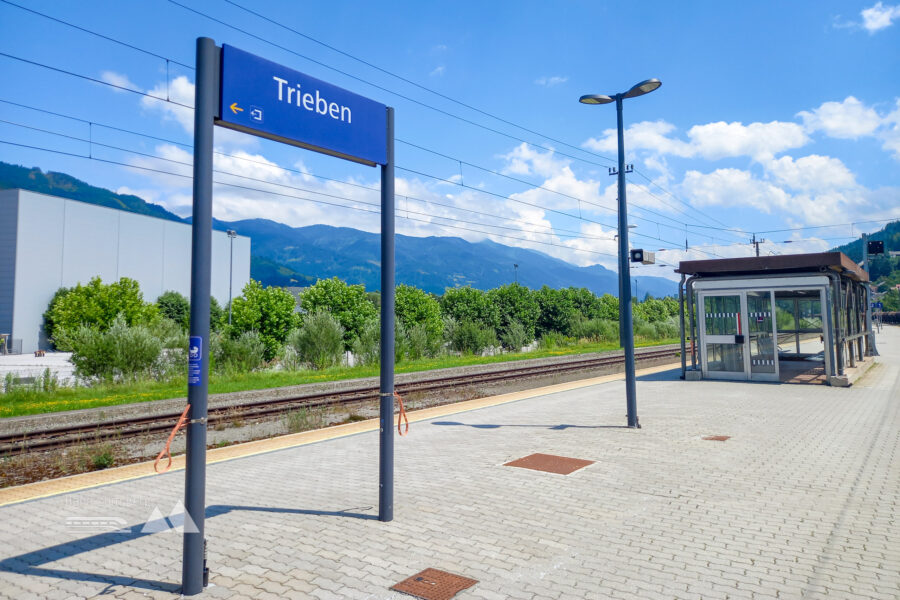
[118, 429]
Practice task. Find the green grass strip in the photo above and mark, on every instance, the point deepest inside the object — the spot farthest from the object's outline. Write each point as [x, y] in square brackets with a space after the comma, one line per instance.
[28, 401]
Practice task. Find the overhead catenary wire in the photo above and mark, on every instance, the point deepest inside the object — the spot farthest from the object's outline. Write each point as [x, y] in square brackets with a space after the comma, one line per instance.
[280, 24]
[479, 190]
[313, 200]
[99, 35]
[145, 94]
[491, 115]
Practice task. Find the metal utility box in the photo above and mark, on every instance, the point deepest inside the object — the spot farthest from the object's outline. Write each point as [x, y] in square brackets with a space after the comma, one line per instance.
[643, 256]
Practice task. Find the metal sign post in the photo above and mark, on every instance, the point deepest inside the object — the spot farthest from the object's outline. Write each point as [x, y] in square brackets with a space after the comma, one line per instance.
[241, 91]
[386, 408]
[206, 96]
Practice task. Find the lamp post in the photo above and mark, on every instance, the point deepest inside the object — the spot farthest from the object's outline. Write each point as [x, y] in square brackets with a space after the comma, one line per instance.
[231, 235]
[625, 316]
[516, 268]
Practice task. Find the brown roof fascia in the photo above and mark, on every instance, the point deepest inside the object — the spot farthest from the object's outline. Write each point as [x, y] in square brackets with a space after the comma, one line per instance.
[837, 261]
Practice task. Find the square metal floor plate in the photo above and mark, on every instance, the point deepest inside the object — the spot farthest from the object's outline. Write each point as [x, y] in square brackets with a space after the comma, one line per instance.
[550, 463]
[433, 584]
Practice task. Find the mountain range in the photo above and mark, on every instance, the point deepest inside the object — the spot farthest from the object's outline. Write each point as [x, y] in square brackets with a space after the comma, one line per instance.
[298, 256]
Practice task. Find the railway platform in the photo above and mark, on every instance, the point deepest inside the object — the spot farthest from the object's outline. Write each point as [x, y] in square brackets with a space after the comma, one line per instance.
[800, 501]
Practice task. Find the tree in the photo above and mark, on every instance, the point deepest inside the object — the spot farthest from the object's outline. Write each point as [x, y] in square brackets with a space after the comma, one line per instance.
[468, 304]
[175, 306]
[891, 301]
[516, 303]
[268, 311]
[651, 310]
[347, 303]
[97, 305]
[557, 311]
[415, 307]
[608, 308]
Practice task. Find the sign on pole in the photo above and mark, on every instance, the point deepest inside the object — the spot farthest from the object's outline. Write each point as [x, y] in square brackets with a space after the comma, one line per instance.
[264, 98]
[241, 91]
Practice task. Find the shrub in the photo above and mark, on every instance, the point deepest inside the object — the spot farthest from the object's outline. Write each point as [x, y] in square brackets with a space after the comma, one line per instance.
[319, 341]
[469, 337]
[516, 303]
[414, 307]
[366, 347]
[557, 311]
[514, 337]
[417, 342]
[120, 353]
[267, 311]
[644, 330]
[241, 354]
[347, 303]
[96, 305]
[217, 316]
[554, 339]
[600, 330]
[469, 304]
[169, 333]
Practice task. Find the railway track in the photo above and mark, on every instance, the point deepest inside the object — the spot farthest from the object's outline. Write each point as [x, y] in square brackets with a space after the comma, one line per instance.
[123, 428]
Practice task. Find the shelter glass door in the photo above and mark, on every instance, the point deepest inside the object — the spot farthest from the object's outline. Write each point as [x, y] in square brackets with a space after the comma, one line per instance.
[761, 336]
[722, 353]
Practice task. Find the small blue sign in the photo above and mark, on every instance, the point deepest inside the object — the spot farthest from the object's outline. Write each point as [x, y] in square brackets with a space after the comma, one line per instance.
[195, 360]
[264, 98]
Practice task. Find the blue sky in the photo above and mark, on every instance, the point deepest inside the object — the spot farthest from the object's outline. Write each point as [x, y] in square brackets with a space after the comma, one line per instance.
[771, 116]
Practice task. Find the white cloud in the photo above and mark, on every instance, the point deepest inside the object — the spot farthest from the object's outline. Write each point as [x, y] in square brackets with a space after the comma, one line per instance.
[879, 16]
[849, 119]
[720, 140]
[119, 80]
[890, 133]
[711, 141]
[811, 173]
[437, 71]
[181, 91]
[525, 160]
[551, 81]
[646, 135]
[733, 187]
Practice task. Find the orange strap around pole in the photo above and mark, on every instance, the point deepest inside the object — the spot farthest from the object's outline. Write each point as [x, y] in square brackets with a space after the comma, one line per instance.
[182, 421]
[401, 416]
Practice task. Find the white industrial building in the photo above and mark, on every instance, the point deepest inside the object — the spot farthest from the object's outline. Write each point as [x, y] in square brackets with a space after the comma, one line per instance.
[47, 242]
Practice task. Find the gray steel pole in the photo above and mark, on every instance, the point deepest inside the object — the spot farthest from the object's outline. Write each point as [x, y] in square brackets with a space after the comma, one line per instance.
[870, 335]
[681, 322]
[230, 273]
[624, 276]
[206, 106]
[386, 445]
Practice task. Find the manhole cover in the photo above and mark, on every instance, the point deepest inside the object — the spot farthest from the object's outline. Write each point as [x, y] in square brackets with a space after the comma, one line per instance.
[716, 438]
[432, 584]
[550, 463]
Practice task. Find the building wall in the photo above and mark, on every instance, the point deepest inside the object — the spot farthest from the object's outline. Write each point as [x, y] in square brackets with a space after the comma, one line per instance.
[8, 216]
[60, 243]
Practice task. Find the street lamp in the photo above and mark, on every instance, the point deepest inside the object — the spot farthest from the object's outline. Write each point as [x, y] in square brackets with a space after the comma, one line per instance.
[231, 235]
[625, 316]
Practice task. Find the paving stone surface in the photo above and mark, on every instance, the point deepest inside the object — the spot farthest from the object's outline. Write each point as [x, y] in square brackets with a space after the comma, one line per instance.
[800, 502]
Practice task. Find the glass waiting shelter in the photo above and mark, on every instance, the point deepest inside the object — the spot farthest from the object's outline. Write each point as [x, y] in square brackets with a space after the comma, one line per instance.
[797, 318]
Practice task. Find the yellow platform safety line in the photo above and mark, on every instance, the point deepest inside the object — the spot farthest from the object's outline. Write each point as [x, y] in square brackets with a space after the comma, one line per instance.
[64, 485]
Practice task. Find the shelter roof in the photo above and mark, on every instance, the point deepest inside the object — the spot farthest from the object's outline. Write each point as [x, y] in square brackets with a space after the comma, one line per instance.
[786, 263]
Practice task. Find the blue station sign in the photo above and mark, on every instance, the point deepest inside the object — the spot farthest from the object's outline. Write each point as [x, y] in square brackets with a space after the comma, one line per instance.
[264, 98]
